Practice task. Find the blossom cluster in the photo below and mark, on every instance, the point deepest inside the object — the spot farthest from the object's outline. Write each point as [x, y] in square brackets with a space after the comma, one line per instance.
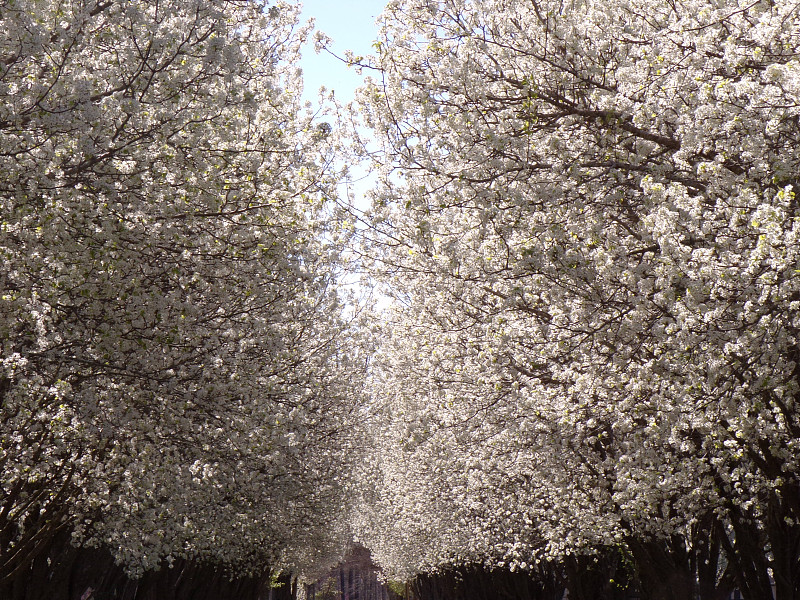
[177, 371]
[588, 220]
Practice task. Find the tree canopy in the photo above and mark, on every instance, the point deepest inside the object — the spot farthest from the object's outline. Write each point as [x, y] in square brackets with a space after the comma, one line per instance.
[586, 230]
[178, 375]
[588, 224]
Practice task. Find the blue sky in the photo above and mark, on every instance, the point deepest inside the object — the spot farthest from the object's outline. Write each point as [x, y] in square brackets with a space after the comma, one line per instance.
[351, 25]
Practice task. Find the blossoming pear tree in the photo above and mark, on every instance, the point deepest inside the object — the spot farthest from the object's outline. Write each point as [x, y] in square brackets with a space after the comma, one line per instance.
[178, 373]
[588, 220]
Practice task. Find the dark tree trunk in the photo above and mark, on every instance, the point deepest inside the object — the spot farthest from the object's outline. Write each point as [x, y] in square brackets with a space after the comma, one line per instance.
[663, 569]
[476, 583]
[602, 576]
[64, 572]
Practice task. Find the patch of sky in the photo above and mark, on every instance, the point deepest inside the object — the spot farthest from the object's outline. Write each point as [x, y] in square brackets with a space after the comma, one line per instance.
[351, 25]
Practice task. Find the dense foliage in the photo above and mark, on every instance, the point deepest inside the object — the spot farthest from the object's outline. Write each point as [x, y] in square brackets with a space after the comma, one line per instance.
[177, 376]
[588, 223]
[587, 227]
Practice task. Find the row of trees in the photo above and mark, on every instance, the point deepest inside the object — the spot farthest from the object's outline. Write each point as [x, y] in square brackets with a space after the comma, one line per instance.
[587, 221]
[179, 371]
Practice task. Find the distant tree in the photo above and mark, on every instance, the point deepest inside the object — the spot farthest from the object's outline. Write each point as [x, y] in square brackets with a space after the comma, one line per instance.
[177, 373]
[588, 220]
